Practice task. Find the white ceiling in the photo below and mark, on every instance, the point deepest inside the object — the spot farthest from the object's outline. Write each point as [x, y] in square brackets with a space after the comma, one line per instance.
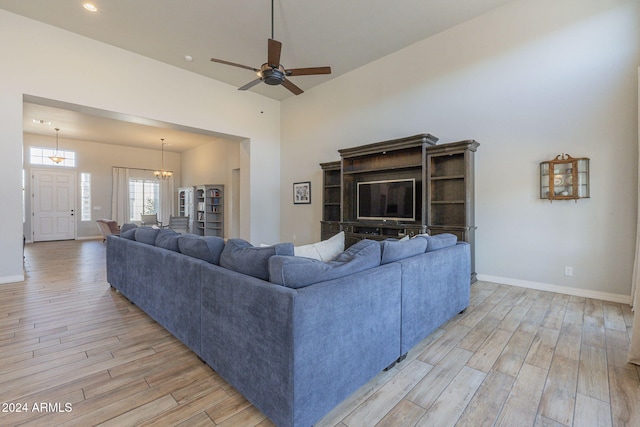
[343, 34]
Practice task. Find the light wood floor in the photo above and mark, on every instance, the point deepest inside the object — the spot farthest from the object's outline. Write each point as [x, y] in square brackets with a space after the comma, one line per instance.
[516, 357]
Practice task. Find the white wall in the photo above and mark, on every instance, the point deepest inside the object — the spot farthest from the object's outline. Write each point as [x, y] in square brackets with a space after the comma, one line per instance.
[530, 80]
[47, 62]
[213, 164]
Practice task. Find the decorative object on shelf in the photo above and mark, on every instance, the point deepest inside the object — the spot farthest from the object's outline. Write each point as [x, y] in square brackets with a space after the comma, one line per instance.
[57, 158]
[163, 174]
[302, 193]
[564, 178]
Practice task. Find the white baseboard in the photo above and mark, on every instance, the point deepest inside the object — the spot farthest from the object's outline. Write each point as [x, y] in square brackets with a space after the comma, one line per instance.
[605, 296]
[12, 279]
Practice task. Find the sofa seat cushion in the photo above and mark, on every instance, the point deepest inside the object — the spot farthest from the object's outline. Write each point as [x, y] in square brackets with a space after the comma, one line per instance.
[440, 241]
[297, 272]
[241, 256]
[206, 248]
[326, 250]
[168, 239]
[400, 249]
[146, 235]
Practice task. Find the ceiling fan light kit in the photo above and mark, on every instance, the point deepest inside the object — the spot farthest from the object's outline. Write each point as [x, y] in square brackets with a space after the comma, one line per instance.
[273, 72]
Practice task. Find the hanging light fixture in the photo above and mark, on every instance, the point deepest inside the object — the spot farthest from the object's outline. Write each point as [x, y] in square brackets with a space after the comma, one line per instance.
[163, 174]
[56, 158]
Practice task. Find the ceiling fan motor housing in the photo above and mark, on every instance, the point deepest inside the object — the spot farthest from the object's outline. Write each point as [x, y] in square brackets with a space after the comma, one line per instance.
[272, 76]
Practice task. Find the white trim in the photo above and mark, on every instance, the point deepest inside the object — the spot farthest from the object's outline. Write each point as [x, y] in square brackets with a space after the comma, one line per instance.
[605, 296]
[12, 279]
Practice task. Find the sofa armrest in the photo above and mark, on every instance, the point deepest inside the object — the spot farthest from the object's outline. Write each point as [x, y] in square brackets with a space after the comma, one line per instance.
[435, 287]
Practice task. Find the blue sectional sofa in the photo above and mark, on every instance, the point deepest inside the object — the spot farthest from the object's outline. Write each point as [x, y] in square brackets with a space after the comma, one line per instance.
[295, 336]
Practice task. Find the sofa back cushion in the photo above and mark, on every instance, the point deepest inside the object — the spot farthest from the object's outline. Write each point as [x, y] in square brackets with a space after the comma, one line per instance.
[241, 256]
[128, 226]
[206, 248]
[146, 235]
[440, 241]
[297, 272]
[129, 233]
[168, 239]
[400, 249]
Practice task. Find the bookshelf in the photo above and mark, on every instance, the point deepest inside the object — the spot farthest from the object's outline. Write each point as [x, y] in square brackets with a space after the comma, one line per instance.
[209, 210]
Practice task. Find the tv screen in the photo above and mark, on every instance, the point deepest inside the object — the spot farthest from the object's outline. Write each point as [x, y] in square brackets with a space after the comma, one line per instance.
[391, 199]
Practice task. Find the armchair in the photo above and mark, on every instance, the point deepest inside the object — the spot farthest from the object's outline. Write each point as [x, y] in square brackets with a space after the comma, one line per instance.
[107, 227]
[150, 220]
[179, 224]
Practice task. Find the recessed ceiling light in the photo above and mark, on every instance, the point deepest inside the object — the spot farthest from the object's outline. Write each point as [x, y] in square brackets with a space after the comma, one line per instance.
[41, 122]
[188, 58]
[90, 7]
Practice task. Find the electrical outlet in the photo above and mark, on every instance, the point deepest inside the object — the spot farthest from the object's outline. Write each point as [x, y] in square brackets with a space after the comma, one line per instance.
[568, 271]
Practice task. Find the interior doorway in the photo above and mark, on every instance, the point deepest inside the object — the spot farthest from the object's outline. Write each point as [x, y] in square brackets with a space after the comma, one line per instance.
[53, 205]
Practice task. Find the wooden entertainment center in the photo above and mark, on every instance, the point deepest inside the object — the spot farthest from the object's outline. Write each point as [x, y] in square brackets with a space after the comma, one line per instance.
[419, 187]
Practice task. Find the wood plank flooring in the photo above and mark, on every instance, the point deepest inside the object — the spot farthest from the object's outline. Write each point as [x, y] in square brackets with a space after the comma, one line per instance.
[73, 352]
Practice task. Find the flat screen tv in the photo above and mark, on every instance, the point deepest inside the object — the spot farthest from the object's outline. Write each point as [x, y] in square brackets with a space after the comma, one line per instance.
[392, 199]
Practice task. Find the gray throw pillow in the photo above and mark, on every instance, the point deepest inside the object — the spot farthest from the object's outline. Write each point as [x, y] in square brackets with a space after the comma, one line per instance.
[400, 249]
[241, 256]
[440, 241]
[146, 235]
[298, 272]
[207, 248]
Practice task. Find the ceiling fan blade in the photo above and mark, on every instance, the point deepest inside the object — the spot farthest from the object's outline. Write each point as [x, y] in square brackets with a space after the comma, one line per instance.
[250, 84]
[293, 88]
[273, 56]
[308, 71]
[233, 64]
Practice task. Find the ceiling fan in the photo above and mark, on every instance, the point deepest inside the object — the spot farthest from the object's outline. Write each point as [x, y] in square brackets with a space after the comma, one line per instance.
[272, 72]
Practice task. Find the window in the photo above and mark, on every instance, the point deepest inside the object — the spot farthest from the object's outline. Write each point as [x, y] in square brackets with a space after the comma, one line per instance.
[85, 196]
[144, 197]
[40, 156]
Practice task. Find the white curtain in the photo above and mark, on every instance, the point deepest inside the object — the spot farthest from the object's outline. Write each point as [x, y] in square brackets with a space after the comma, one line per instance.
[120, 195]
[634, 348]
[167, 202]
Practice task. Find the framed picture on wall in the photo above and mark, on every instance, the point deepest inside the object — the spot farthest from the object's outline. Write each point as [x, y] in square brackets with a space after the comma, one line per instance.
[302, 193]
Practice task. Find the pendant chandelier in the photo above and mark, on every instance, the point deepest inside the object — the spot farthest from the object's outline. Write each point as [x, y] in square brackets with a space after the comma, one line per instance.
[56, 158]
[163, 174]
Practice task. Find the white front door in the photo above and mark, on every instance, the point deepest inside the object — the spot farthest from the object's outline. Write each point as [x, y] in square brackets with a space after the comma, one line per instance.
[54, 201]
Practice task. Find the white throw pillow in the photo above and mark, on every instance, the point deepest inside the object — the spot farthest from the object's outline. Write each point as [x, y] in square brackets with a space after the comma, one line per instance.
[325, 250]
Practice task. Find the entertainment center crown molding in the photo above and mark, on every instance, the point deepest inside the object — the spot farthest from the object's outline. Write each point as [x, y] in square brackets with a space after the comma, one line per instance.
[401, 187]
